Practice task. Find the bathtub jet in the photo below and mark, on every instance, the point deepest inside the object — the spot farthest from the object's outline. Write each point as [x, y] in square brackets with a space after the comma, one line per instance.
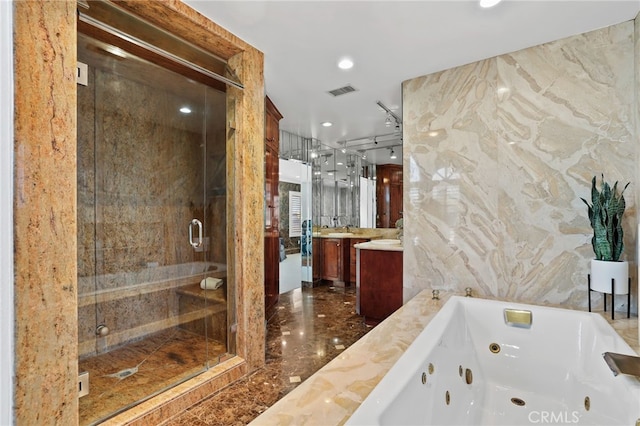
[474, 364]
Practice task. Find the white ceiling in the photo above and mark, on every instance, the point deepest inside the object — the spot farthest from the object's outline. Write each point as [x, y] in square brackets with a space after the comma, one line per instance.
[389, 42]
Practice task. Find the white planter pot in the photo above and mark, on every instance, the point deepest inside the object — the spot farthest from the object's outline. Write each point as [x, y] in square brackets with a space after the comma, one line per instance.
[602, 271]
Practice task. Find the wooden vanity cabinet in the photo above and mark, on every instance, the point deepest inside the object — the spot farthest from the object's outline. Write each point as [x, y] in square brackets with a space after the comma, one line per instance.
[271, 230]
[388, 195]
[317, 261]
[380, 286]
[352, 257]
[335, 260]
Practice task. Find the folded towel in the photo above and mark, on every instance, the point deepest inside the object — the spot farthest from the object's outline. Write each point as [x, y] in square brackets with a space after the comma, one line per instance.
[210, 283]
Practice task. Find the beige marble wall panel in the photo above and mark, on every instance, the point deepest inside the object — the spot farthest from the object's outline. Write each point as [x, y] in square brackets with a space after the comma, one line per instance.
[46, 390]
[498, 154]
[452, 224]
[565, 116]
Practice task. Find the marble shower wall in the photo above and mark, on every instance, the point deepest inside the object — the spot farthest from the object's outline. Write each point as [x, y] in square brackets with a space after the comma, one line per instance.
[497, 154]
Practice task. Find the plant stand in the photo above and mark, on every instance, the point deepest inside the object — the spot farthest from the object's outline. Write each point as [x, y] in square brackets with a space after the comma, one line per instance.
[612, 297]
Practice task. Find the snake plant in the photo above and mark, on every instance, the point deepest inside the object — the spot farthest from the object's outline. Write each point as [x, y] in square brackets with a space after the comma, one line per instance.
[605, 214]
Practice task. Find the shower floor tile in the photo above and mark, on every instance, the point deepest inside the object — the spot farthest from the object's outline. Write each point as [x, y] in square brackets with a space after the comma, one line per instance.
[312, 342]
[127, 374]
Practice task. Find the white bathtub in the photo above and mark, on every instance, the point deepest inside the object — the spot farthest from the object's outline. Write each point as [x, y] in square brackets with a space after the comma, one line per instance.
[550, 373]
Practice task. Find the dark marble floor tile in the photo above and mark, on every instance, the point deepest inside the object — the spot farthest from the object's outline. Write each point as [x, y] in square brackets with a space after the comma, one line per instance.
[311, 326]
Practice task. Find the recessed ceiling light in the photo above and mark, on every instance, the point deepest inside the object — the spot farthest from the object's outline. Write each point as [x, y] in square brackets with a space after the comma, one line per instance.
[327, 124]
[489, 3]
[345, 64]
[185, 110]
[340, 163]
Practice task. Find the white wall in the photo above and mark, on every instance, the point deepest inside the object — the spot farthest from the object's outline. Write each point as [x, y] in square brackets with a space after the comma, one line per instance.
[6, 213]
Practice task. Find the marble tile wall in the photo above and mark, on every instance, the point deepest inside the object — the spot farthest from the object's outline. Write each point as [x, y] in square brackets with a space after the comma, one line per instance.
[497, 154]
[45, 212]
[45, 390]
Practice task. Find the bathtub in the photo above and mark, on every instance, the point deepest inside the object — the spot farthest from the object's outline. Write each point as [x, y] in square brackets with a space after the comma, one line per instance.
[469, 367]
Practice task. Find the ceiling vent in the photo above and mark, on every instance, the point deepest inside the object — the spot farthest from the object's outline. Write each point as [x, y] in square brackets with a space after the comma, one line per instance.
[342, 90]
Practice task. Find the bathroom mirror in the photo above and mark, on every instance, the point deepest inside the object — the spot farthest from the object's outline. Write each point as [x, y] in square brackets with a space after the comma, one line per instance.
[345, 188]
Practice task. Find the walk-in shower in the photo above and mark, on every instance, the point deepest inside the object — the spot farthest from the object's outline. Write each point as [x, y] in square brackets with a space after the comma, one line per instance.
[153, 296]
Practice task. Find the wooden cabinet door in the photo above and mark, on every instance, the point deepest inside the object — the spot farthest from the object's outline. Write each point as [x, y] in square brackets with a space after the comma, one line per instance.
[380, 284]
[271, 229]
[352, 257]
[331, 259]
[317, 259]
[388, 195]
[395, 203]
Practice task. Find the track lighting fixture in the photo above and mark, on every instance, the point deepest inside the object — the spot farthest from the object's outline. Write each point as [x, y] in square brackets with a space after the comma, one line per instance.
[393, 154]
[391, 116]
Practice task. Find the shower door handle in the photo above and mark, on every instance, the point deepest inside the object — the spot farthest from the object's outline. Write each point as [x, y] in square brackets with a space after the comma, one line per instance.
[198, 243]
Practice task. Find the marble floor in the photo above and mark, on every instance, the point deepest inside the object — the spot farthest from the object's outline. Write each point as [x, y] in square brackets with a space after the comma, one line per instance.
[310, 328]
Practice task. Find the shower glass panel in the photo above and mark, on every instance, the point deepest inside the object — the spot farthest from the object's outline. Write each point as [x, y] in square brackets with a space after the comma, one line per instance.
[152, 237]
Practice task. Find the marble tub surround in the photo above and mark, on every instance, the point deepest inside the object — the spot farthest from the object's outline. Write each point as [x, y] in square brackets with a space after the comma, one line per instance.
[332, 395]
[499, 152]
[45, 185]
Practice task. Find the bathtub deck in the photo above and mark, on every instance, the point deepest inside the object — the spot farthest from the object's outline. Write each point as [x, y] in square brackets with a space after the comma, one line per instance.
[333, 393]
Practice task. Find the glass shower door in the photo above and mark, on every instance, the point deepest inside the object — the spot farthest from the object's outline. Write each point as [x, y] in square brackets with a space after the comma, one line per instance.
[152, 228]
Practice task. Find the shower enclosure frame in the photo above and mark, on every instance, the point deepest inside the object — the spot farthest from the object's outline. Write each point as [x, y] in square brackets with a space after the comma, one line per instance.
[198, 243]
[44, 184]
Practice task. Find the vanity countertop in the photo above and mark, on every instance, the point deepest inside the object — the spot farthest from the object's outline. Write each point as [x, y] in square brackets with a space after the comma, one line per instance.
[367, 233]
[334, 392]
[381, 244]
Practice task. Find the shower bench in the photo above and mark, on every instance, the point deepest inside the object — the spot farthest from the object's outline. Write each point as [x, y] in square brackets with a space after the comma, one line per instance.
[196, 304]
